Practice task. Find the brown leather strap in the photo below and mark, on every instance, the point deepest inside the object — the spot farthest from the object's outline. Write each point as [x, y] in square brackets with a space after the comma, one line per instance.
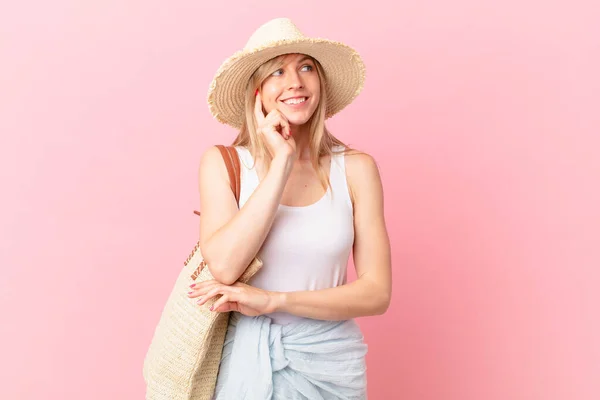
[232, 162]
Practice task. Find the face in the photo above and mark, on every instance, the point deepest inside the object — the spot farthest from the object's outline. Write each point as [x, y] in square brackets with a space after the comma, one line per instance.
[294, 89]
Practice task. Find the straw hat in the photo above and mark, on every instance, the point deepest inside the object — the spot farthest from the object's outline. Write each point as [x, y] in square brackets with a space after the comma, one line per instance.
[344, 69]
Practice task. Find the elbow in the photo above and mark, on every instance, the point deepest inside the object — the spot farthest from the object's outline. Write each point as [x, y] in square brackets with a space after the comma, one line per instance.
[382, 304]
[221, 274]
[217, 265]
[379, 295]
[220, 270]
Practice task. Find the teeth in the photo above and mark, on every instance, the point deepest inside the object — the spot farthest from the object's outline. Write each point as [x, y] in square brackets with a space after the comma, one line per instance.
[295, 101]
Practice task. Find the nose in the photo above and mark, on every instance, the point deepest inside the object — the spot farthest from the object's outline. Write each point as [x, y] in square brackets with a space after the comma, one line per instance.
[295, 81]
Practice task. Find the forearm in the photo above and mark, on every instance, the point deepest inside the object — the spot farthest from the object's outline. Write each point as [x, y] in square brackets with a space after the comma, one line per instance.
[232, 247]
[357, 299]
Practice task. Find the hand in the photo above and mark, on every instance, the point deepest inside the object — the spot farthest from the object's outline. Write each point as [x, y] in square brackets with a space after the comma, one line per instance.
[275, 131]
[239, 297]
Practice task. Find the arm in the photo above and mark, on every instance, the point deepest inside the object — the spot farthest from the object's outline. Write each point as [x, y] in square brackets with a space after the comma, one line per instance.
[230, 238]
[370, 294]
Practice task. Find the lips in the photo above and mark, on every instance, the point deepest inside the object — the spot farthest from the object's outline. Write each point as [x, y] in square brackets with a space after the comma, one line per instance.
[295, 100]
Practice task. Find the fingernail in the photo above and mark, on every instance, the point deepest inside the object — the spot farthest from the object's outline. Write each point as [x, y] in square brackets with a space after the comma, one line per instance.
[190, 293]
[256, 93]
[211, 308]
[199, 300]
[192, 285]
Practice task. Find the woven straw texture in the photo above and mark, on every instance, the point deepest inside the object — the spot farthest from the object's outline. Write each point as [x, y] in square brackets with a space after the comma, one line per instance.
[343, 66]
[182, 362]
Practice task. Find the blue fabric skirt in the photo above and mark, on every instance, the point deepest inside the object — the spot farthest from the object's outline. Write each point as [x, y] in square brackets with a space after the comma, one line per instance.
[310, 359]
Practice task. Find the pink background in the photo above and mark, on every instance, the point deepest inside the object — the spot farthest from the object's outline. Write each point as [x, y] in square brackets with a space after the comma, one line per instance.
[483, 116]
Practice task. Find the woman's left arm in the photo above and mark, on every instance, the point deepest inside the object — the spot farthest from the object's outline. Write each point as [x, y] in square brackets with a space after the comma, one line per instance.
[371, 292]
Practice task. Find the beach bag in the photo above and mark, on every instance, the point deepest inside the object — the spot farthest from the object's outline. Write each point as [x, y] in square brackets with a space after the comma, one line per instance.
[182, 362]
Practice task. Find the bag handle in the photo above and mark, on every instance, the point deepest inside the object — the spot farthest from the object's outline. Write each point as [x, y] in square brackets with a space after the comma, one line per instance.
[232, 162]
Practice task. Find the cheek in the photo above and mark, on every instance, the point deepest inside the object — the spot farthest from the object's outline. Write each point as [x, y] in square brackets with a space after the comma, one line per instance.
[316, 97]
[270, 94]
[315, 89]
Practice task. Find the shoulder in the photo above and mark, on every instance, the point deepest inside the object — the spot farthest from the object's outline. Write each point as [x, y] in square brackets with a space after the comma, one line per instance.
[212, 165]
[211, 155]
[362, 173]
[358, 161]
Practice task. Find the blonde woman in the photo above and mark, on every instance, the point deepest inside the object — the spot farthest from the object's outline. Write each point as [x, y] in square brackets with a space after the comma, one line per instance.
[306, 202]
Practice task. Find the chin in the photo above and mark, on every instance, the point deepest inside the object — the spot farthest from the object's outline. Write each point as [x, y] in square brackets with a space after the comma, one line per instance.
[295, 118]
[298, 121]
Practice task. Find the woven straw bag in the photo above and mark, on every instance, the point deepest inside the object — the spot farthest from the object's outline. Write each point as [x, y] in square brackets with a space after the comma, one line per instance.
[182, 362]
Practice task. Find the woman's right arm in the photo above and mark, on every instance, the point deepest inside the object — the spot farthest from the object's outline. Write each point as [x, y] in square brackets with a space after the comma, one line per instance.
[230, 238]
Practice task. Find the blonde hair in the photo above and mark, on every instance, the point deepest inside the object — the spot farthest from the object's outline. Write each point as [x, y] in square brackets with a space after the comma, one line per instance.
[322, 142]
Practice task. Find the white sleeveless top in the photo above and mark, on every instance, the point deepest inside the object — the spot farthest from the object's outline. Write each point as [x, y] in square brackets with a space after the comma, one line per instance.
[307, 247]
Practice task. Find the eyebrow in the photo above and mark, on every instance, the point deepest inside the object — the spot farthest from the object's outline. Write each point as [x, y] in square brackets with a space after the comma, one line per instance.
[305, 58]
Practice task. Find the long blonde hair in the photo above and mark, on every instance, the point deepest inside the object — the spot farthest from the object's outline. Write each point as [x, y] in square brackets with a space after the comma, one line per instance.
[322, 142]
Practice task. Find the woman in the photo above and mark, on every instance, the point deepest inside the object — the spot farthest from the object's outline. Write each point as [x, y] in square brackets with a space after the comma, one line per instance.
[306, 201]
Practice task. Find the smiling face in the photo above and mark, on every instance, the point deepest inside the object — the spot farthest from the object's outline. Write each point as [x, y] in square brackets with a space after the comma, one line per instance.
[293, 88]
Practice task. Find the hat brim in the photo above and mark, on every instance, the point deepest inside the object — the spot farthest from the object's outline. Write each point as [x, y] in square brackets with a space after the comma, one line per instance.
[343, 66]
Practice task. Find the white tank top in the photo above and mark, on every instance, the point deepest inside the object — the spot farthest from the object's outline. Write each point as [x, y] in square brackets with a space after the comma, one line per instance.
[307, 247]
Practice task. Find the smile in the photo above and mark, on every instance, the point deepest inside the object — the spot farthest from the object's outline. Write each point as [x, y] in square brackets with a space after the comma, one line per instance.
[295, 101]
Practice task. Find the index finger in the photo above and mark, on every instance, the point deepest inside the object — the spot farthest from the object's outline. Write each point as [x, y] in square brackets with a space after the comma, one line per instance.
[258, 113]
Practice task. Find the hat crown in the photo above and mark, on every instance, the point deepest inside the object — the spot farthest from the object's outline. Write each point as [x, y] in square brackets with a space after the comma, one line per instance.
[277, 29]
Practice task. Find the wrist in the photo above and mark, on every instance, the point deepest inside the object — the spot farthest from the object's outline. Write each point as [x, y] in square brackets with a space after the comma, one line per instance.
[279, 300]
[282, 163]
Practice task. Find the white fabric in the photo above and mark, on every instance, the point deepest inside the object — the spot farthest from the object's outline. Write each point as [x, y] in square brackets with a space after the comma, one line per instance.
[315, 360]
[308, 247]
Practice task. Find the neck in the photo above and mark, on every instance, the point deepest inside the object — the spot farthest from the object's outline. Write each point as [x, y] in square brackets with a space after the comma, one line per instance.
[301, 134]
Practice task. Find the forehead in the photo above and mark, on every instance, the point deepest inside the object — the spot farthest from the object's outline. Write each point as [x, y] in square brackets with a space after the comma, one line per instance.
[293, 58]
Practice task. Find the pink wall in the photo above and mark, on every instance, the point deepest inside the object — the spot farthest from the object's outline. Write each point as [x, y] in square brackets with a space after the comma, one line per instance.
[484, 119]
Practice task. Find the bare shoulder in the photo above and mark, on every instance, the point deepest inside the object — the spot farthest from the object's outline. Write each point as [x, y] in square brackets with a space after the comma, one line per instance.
[363, 175]
[359, 162]
[212, 167]
[211, 158]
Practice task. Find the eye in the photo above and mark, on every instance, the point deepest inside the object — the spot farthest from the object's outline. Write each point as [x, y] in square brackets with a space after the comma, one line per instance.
[307, 68]
[277, 73]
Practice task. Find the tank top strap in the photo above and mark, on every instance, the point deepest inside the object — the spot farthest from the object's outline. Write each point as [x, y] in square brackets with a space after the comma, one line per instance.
[249, 177]
[339, 182]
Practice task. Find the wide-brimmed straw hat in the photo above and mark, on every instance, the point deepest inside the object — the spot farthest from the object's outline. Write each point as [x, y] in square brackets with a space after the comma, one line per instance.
[343, 66]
